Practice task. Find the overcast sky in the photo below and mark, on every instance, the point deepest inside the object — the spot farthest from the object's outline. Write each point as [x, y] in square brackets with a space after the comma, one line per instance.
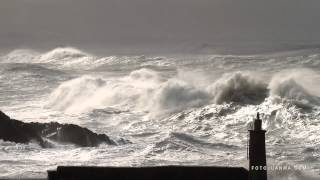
[105, 22]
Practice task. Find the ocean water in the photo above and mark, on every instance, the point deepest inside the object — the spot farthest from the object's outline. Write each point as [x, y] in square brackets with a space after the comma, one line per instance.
[174, 109]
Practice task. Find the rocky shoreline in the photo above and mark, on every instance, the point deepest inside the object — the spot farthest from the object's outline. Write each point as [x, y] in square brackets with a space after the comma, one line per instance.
[44, 133]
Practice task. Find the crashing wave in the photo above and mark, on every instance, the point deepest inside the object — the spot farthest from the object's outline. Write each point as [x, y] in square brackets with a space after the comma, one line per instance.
[73, 58]
[73, 95]
[148, 90]
[294, 88]
[61, 57]
[176, 95]
[142, 89]
[20, 56]
[291, 90]
[239, 87]
[69, 57]
[63, 53]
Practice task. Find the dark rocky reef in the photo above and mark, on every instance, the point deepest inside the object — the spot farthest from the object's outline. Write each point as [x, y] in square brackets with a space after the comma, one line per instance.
[21, 132]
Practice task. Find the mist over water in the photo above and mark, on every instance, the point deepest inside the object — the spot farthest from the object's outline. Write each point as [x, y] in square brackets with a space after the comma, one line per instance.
[175, 109]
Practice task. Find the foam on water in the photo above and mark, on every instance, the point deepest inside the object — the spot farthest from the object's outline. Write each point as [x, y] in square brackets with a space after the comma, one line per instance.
[191, 110]
[70, 58]
[239, 87]
[147, 90]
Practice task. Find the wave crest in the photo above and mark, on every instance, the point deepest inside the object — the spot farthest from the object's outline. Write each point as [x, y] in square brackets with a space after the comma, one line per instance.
[238, 87]
[75, 95]
[20, 56]
[175, 95]
[290, 86]
[63, 53]
[148, 90]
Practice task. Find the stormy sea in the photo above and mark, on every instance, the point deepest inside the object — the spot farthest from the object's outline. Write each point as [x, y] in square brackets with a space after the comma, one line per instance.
[164, 110]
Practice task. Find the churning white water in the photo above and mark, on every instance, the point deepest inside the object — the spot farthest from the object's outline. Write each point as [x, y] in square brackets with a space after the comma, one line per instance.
[190, 110]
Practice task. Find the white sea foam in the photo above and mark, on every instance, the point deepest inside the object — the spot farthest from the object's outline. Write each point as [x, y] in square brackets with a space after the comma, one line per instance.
[147, 90]
[296, 86]
[175, 95]
[140, 90]
[77, 94]
[20, 56]
[195, 111]
[76, 59]
[239, 87]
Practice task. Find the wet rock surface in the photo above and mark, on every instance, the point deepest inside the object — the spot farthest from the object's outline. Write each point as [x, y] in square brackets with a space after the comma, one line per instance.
[42, 133]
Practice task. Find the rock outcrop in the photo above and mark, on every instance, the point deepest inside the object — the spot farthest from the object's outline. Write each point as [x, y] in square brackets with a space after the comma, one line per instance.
[21, 132]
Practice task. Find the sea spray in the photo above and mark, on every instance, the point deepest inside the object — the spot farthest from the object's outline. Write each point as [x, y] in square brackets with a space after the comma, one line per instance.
[175, 95]
[20, 56]
[296, 86]
[241, 87]
[147, 90]
[140, 98]
[76, 95]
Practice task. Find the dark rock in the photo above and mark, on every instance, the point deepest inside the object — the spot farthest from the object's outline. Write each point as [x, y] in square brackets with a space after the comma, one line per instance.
[70, 133]
[3, 116]
[21, 132]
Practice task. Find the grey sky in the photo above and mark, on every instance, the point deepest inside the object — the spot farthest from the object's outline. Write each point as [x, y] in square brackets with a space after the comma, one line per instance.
[105, 22]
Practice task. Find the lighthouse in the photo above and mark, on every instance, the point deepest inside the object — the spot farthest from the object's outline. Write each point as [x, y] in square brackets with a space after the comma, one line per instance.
[257, 151]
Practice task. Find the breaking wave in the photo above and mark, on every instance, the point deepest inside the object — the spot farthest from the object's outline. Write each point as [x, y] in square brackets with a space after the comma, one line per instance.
[20, 56]
[76, 94]
[71, 58]
[76, 59]
[65, 57]
[291, 87]
[192, 109]
[175, 95]
[239, 87]
[147, 90]
[63, 53]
